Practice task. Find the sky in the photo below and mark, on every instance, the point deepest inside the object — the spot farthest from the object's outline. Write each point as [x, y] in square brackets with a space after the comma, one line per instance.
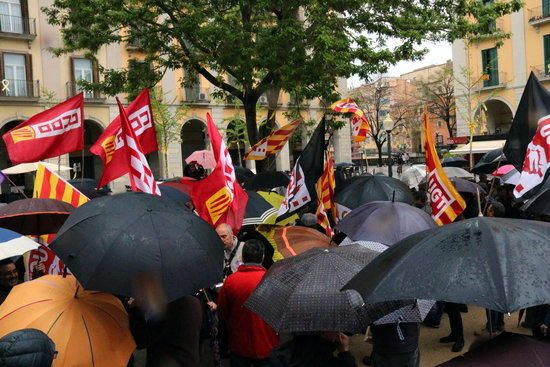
[438, 54]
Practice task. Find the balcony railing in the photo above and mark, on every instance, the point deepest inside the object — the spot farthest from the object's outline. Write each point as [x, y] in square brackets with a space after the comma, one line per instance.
[73, 89]
[541, 71]
[492, 81]
[17, 88]
[17, 27]
[539, 15]
[196, 95]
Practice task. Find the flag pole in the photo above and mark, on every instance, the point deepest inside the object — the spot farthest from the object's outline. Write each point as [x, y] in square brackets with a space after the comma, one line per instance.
[16, 187]
[492, 187]
[82, 162]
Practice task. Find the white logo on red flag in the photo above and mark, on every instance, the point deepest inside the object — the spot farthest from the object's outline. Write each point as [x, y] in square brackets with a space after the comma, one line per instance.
[439, 195]
[536, 162]
[297, 194]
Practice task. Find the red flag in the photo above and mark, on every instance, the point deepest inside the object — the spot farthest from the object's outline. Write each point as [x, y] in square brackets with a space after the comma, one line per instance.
[51, 133]
[219, 198]
[107, 147]
[141, 176]
[446, 202]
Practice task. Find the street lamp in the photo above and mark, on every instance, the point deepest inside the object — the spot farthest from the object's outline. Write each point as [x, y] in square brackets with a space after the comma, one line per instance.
[388, 126]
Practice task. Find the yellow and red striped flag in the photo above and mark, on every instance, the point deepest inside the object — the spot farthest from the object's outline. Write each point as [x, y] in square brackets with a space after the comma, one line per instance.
[446, 202]
[272, 143]
[325, 193]
[51, 186]
[359, 122]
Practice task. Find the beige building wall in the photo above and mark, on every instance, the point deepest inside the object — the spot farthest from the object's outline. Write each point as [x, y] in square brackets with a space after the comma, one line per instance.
[53, 74]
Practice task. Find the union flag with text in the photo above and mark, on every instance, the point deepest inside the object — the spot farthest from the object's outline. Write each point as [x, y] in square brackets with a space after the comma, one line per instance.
[273, 143]
[359, 122]
[219, 198]
[446, 202]
[51, 133]
[108, 145]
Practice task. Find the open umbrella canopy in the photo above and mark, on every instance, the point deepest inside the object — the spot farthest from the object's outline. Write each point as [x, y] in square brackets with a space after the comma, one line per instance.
[366, 189]
[203, 157]
[497, 263]
[172, 192]
[112, 241]
[506, 350]
[462, 185]
[258, 210]
[384, 222]
[88, 328]
[242, 174]
[502, 170]
[31, 167]
[454, 162]
[302, 293]
[88, 186]
[292, 241]
[413, 175]
[35, 216]
[13, 244]
[267, 181]
[490, 161]
[276, 201]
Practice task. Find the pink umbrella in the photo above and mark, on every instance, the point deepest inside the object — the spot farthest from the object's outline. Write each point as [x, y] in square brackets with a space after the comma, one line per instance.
[203, 157]
[503, 170]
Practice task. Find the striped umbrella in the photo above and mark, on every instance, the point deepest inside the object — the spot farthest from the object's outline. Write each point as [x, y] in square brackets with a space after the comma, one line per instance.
[13, 244]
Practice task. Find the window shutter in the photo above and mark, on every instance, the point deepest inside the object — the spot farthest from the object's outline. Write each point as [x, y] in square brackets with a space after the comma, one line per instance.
[2, 76]
[546, 67]
[25, 15]
[494, 66]
[95, 77]
[28, 70]
[545, 8]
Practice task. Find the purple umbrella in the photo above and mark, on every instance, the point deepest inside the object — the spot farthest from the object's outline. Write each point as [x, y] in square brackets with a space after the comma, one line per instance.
[506, 350]
[384, 222]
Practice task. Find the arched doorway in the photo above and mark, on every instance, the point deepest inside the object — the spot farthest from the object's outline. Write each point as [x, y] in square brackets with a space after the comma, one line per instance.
[23, 182]
[93, 167]
[236, 139]
[499, 117]
[193, 137]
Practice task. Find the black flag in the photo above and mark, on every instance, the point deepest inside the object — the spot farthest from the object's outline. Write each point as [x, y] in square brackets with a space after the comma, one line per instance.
[307, 170]
[534, 104]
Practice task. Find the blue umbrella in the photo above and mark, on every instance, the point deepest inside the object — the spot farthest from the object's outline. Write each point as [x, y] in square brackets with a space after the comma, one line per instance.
[384, 222]
[14, 244]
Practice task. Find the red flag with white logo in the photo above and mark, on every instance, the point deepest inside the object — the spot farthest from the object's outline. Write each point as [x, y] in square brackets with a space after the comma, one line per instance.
[51, 133]
[537, 158]
[141, 176]
[108, 145]
[219, 198]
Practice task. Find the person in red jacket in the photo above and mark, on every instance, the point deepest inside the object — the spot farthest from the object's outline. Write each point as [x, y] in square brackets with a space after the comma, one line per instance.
[251, 339]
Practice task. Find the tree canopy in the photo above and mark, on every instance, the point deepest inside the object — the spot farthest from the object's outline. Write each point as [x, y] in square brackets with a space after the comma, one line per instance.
[300, 46]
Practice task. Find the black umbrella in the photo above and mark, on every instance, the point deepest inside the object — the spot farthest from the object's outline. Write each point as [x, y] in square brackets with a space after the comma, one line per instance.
[267, 181]
[344, 165]
[384, 222]
[243, 174]
[454, 162]
[258, 210]
[462, 185]
[109, 242]
[365, 189]
[302, 293]
[89, 184]
[540, 202]
[497, 263]
[490, 161]
[35, 216]
[173, 193]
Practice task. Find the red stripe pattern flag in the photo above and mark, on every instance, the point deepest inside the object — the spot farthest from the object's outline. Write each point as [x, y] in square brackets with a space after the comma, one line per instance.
[446, 202]
[537, 159]
[109, 145]
[325, 193]
[51, 133]
[49, 185]
[359, 122]
[141, 176]
[273, 143]
[219, 198]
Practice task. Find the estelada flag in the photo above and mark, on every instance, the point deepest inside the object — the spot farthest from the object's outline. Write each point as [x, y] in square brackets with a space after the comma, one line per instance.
[359, 122]
[49, 185]
[325, 193]
[108, 145]
[446, 202]
[219, 198]
[51, 133]
[273, 143]
[537, 159]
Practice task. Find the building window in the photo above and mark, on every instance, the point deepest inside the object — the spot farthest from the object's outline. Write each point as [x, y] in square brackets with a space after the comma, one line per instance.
[192, 90]
[546, 54]
[489, 59]
[11, 16]
[83, 70]
[438, 139]
[15, 72]
[438, 123]
[545, 8]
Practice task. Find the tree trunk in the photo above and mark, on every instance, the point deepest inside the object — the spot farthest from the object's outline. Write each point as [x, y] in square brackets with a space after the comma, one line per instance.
[165, 156]
[249, 105]
[379, 148]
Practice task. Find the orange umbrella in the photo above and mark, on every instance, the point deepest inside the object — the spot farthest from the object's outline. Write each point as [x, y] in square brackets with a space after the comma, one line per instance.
[88, 328]
[292, 241]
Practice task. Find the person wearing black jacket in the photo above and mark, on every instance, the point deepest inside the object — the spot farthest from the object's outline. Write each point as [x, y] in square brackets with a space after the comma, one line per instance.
[541, 327]
[314, 350]
[395, 345]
